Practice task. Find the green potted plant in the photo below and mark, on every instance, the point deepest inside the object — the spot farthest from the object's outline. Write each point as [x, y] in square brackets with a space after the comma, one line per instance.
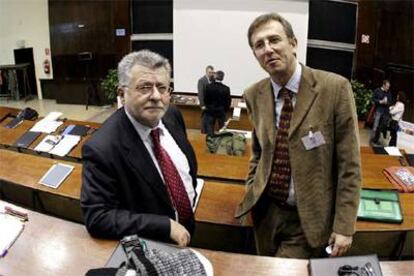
[110, 85]
[363, 99]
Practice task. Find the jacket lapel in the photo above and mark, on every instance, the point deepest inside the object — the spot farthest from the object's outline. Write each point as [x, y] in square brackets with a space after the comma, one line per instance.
[267, 107]
[140, 160]
[304, 99]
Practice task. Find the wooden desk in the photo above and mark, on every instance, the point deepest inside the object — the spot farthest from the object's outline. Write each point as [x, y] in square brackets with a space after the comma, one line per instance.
[52, 246]
[192, 117]
[26, 170]
[217, 203]
[9, 136]
[8, 111]
[65, 248]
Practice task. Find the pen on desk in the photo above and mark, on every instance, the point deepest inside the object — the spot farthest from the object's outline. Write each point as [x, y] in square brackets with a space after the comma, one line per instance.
[4, 253]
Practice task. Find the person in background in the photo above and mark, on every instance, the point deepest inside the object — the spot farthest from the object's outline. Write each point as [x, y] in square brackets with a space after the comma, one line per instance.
[304, 175]
[201, 87]
[139, 169]
[382, 100]
[396, 112]
[217, 101]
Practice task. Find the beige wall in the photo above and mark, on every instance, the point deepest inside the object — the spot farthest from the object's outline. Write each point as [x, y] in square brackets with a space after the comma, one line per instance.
[26, 20]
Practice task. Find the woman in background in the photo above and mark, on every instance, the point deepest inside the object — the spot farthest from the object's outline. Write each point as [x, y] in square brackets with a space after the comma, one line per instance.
[396, 112]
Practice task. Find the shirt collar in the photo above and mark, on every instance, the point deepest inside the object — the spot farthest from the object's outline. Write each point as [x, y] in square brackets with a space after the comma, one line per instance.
[144, 131]
[293, 83]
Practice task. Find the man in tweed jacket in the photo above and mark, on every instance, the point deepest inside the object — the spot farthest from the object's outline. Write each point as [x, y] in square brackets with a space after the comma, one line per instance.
[325, 177]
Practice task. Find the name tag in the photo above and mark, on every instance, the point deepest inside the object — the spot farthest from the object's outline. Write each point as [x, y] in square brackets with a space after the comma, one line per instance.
[313, 140]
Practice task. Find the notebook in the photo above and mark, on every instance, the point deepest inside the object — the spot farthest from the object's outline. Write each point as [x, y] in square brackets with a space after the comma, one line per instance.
[26, 139]
[14, 123]
[56, 175]
[10, 229]
[79, 130]
[380, 205]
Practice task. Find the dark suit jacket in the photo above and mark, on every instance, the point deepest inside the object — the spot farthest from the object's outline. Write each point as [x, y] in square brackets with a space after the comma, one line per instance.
[217, 98]
[327, 179]
[122, 191]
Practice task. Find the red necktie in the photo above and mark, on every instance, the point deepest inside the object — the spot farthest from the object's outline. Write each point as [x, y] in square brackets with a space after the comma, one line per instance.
[173, 181]
[281, 173]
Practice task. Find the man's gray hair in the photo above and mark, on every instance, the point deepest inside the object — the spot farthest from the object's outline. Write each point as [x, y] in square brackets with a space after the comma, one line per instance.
[144, 58]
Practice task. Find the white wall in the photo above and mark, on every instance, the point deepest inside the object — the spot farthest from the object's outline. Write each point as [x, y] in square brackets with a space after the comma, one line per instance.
[215, 32]
[26, 20]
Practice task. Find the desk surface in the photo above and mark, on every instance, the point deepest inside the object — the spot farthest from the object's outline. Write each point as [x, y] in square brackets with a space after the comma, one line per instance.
[26, 170]
[9, 136]
[235, 168]
[65, 248]
[8, 111]
[217, 203]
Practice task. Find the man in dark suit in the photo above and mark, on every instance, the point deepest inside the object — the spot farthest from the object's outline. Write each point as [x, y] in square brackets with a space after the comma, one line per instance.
[201, 87]
[382, 100]
[139, 170]
[217, 100]
[304, 174]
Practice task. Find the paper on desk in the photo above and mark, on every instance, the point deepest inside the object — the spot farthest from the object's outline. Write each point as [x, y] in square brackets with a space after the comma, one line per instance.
[52, 116]
[46, 126]
[65, 145]
[199, 190]
[236, 113]
[394, 151]
[10, 229]
[242, 105]
[48, 143]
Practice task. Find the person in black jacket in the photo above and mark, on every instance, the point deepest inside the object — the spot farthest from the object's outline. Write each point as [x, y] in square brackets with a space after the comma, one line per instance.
[125, 189]
[382, 99]
[217, 100]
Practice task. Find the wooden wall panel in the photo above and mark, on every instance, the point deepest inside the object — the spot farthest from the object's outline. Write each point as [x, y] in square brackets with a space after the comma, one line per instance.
[86, 26]
[389, 54]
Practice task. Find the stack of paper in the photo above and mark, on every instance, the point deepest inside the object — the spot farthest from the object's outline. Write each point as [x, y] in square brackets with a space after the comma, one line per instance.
[48, 124]
[65, 145]
[236, 113]
[10, 229]
[393, 151]
[57, 144]
[48, 143]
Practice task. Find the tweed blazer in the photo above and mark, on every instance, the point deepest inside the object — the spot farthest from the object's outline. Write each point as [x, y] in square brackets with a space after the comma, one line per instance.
[327, 178]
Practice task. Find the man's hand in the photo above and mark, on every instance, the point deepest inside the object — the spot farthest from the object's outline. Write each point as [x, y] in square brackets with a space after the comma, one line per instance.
[340, 244]
[179, 234]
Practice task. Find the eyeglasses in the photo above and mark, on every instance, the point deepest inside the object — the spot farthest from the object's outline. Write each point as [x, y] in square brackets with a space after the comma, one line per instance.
[147, 89]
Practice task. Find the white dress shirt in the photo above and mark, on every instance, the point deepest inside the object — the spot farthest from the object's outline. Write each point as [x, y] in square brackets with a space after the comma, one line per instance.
[168, 143]
[397, 111]
[293, 86]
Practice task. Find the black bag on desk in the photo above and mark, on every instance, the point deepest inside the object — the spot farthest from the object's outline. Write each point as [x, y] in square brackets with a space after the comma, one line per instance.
[25, 114]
